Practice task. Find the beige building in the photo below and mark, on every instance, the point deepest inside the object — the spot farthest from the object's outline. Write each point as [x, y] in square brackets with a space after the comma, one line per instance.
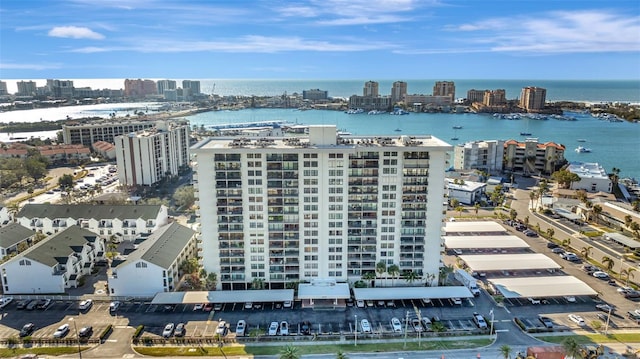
[370, 89]
[481, 155]
[532, 157]
[533, 98]
[398, 91]
[494, 98]
[445, 88]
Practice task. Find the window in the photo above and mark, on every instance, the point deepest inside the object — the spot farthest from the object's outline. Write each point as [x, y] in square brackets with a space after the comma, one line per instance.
[141, 265]
[24, 262]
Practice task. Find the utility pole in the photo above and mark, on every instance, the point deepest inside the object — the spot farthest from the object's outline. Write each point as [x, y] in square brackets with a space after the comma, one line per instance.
[606, 326]
[406, 327]
[355, 342]
[491, 330]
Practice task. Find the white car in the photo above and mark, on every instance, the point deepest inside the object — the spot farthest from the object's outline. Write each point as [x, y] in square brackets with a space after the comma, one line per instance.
[457, 301]
[85, 304]
[221, 329]
[284, 328]
[360, 303]
[168, 330]
[534, 300]
[577, 319]
[4, 301]
[61, 331]
[248, 305]
[273, 328]
[287, 304]
[198, 307]
[396, 325]
[366, 327]
[600, 275]
[113, 306]
[241, 328]
[570, 299]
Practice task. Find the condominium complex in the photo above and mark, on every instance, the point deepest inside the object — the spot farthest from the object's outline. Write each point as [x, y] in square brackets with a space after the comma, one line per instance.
[398, 91]
[91, 132]
[315, 95]
[445, 88]
[139, 88]
[27, 88]
[494, 97]
[291, 209]
[533, 157]
[148, 156]
[164, 85]
[192, 86]
[533, 98]
[370, 89]
[481, 155]
[3, 88]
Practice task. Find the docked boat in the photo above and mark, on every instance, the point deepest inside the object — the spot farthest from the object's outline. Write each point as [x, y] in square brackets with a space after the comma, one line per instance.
[354, 111]
[457, 127]
[398, 130]
[525, 133]
[454, 138]
[581, 140]
[399, 111]
[376, 112]
[581, 149]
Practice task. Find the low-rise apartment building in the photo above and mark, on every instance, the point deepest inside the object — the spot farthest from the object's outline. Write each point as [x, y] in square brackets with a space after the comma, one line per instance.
[11, 237]
[593, 177]
[533, 157]
[487, 156]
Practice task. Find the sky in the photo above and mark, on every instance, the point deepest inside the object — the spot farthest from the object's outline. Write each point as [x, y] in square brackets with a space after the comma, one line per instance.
[320, 39]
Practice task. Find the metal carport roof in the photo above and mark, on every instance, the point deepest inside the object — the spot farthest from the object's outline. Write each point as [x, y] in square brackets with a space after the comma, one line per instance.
[539, 287]
[327, 291]
[499, 262]
[473, 227]
[472, 242]
[567, 214]
[411, 293]
[230, 296]
[622, 239]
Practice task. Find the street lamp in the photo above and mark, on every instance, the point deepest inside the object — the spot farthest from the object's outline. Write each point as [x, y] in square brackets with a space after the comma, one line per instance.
[355, 342]
[491, 330]
[606, 326]
[77, 337]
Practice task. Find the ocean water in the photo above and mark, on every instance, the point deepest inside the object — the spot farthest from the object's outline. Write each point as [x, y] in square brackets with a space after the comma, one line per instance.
[613, 144]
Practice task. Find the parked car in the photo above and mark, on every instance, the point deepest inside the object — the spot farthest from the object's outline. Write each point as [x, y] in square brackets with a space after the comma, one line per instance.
[221, 329]
[530, 233]
[217, 307]
[366, 327]
[570, 299]
[589, 268]
[604, 307]
[85, 304]
[416, 325]
[456, 301]
[479, 320]
[360, 303]
[305, 327]
[85, 332]
[287, 304]
[4, 301]
[248, 305]
[22, 304]
[32, 305]
[577, 319]
[61, 331]
[558, 250]
[241, 327]
[396, 325]
[273, 328]
[113, 306]
[180, 330]
[198, 306]
[552, 245]
[533, 300]
[44, 304]
[27, 329]
[167, 332]
[284, 328]
[546, 321]
[600, 275]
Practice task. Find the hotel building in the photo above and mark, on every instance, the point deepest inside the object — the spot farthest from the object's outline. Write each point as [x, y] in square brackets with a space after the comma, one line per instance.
[289, 209]
[91, 132]
[445, 88]
[398, 91]
[533, 98]
[533, 157]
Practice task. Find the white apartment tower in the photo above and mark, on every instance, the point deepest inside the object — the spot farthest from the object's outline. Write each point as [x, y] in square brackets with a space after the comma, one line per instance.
[164, 85]
[324, 206]
[480, 155]
[148, 156]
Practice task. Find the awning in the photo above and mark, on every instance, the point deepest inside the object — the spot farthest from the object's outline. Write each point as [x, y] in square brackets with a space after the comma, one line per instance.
[477, 242]
[411, 293]
[323, 291]
[539, 287]
[473, 227]
[506, 262]
[227, 296]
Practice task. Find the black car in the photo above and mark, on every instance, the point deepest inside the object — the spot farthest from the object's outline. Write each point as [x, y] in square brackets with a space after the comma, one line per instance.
[546, 321]
[552, 245]
[22, 304]
[305, 328]
[27, 329]
[85, 332]
[180, 330]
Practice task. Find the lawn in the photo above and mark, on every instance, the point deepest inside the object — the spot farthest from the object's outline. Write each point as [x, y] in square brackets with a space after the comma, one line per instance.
[595, 338]
[53, 351]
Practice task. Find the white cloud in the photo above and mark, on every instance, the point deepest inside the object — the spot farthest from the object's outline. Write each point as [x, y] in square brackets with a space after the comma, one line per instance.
[557, 32]
[75, 32]
[22, 66]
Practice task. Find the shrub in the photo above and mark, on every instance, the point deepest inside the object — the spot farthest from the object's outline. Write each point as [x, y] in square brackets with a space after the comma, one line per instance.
[106, 332]
[138, 331]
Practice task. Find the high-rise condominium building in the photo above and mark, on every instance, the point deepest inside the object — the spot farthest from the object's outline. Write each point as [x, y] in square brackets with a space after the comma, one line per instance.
[149, 156]
[398, 91]
[494, 97]
[533, 98]
[193, 86]
[3, 88]
[324, 206]
[60, 88]
[370, 89]
[475, 95]
[139, 88]
[27, 88]
[165, 85]
[445, 88]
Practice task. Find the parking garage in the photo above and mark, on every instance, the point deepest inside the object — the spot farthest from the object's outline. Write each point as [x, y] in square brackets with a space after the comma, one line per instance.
[510, 262]
[541, 287]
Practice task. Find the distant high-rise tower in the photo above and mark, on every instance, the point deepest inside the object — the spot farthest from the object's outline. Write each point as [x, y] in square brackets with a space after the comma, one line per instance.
[533, 98]
[27, 88]
[398, 91]
[3, 88]
[445, 88]
[193, 86]
[60, 88]
[494, 98]
[370, 89]
[166, 85]
[139, 88]
[474, 95]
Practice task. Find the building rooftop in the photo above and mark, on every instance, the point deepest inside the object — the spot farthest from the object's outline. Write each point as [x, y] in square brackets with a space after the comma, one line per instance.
[162, 246]
[588, 170]
[13, 234]
[57, 248]
[87, 211]
[466, 186]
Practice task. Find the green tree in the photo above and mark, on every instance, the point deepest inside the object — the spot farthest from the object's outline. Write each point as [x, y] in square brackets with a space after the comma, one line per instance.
[65, 181]
[444, 273]
[627, 220]
[258, 284]
[586, 252]
[454, 203]
[459, 209]
[189, 266]
[381, 268]
[393, 271]
[410, 276]
[476, 208]
[572, 348]
[551, 232]
[369, 276]
[184, 197]
[565, 178]
[341, 355]
[597, 210]
[289, 352]
[36, 168]
[608, 263]
[505, 351]
[513, 214]
[635, 228]
[533, 196]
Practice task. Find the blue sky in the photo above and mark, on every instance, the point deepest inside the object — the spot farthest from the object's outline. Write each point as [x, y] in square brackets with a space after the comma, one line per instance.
[320, 39]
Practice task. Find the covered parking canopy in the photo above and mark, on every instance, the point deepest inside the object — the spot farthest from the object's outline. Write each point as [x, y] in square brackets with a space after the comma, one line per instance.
[623, 240]
[328, 291]
[538, 287]
[567, 214]
[230, 296]
[500, 262]
[411, 293]
[473, 227]
[473, 242]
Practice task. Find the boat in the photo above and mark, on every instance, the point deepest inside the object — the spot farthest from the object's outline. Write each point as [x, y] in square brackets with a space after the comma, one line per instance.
[457, 127]
[399, 111]
[454, 138]
[581, 149]
[581, 140]
[376, 112]
[525, 133]
[398, 130]
[354, 111]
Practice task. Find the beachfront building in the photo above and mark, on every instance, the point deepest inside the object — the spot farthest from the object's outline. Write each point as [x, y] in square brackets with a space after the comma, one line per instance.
[54, 264]
[59, 88]
[152, 155]
[281, 210]
[139, 88]
[315, 95]
[191, 87]
[466, 192]
[398, 91]
[487, 156]
[154, 266]
[445, 88]
[102, 130]
[474, 95]
[371, 89]
[419, 102]
[27, 88]
[532, 157]
[593, 177]
[533, 98]
[3, 88]
[14, 236]
[108, 221]
[164, 85]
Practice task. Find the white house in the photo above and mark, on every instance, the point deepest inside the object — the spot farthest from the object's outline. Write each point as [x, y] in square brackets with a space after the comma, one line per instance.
[124, 221]
[154, 266]
[11, 236]
[54, 264]
[593, 177]
[466, 192]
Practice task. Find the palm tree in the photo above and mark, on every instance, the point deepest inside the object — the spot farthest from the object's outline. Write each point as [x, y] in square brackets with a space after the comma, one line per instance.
[459, 209]
[635, 228]
[370, 276]
[627, 220]
[258, 283]
[551, 232]
[505, 351]
[341, 355]
[533, 196]
[608, 262]
[566, 243]
[381, 267]
[571, 348]
[513, 214]
[627, 273]
[597, 209]
[476, 207]
[444, 273]
[410, 276]
[393, 271]
[289, 352]
[586, 251]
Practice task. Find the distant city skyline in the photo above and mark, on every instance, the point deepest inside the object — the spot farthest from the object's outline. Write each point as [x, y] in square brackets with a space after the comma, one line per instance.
[314, 39]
